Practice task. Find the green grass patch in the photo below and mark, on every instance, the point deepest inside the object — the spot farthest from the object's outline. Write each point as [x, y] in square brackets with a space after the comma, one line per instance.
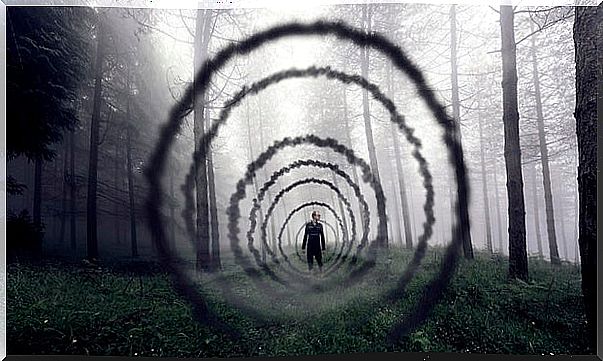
[68, 309]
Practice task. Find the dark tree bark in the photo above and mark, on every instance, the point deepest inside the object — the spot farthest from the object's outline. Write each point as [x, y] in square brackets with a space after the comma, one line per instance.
[131, 195]
[518, 259]
[202, 30]
[37, 199]
[536, 212]
[485, 188]
[216, 264]
[72, 190]
[91, 220]
[576, 223]
[587, 36]
[64, 185]
[451, 205]
[172, 242]
[544, 156]
[456, 114]
[116, 184]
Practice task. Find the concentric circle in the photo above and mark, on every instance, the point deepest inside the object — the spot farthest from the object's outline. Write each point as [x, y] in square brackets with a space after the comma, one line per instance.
[155, 169]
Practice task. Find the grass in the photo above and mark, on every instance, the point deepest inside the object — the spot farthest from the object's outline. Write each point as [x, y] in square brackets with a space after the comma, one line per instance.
[55, 308]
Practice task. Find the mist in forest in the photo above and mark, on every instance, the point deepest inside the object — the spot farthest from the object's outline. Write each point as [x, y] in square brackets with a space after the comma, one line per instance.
[152, 51]
[91, 89]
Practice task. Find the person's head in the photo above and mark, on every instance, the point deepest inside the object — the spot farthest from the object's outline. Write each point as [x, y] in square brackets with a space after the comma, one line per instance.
[316, 216]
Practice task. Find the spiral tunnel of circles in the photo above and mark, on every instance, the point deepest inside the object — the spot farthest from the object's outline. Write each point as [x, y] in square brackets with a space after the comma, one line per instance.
[355, 255]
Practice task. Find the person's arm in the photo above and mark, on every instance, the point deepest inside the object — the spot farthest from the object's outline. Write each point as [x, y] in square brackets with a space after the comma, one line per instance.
[305, 237]
[322, 237]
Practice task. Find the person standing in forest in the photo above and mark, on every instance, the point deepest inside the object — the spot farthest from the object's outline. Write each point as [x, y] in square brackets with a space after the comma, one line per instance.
[314, 237]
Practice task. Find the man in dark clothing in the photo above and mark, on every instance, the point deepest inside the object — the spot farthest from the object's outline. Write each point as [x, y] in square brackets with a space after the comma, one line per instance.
[315, 239]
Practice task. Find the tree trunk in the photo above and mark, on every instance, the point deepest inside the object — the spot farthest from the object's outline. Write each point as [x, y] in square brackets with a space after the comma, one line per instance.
[172, 242]
[561, 221]
[451, 204]
[485, 187]
[498, 217]
[202, 27]
[586, 42]
[576, 222]
[116, 184]
[364, 66]
[399, 171]
[413, 224]
[339, 201]
[72, 190]
[37, 199]
[91, 220]
[64, 193]
[286, 213]
[397, 218]
[133, 238]
[456, 114]
[536, 212]
[133, 235]
[216, 264]
[350, 144]
[518, 259]
[544, 156]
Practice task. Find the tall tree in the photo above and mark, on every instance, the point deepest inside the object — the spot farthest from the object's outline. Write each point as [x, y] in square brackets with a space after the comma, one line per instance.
[117, 185]
[364, 69]
[37, 199]
[399, 171]
[91, 220]
[216, 264]
[64, 185]
[586, 26]
[46, 61]
[46, 53]
[485, 186]
[348, 135]
[518, 259]
[544, 157]
[72, 191]
[339, 201]
[560, 218]
[536, 211]
[201, 47]
[497, 202]
[456, 114]
[130, 165]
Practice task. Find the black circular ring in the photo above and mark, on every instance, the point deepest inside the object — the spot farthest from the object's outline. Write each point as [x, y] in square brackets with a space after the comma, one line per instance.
[156, 166]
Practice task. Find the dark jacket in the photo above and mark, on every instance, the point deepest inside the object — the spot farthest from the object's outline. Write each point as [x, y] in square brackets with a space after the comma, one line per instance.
[314, 237]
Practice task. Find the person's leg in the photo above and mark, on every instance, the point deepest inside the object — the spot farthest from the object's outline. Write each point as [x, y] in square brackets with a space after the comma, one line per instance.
[319, 260]
[309, 257]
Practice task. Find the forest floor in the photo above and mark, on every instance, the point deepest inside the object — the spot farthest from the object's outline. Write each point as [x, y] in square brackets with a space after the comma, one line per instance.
[58, 308]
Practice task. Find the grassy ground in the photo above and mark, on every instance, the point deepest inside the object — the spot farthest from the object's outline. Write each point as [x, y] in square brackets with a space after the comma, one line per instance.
[66, 309]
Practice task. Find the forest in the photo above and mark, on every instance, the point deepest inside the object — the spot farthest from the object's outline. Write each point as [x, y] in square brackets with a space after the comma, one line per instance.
[163, 166]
